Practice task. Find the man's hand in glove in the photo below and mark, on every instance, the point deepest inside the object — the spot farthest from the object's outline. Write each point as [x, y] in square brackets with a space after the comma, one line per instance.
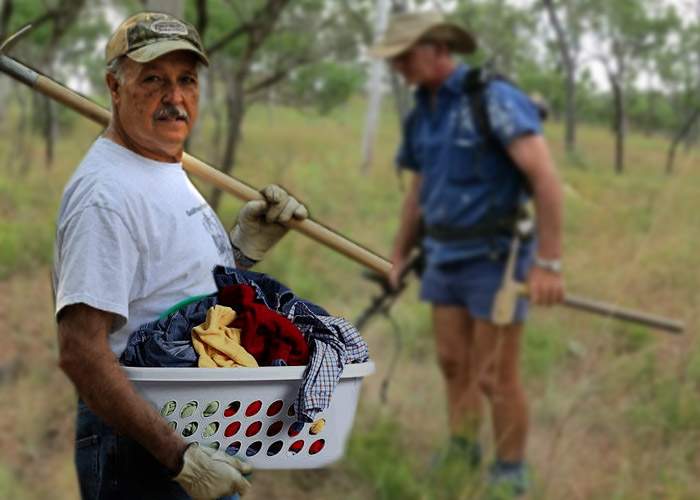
[260, 224]
[208, 474]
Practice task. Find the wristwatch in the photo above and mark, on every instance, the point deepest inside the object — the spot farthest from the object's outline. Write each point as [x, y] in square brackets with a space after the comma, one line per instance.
[551, 265]
[241, 259]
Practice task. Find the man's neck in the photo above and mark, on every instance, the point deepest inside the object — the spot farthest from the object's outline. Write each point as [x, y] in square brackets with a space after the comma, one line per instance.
[443, 70]
[116, 133]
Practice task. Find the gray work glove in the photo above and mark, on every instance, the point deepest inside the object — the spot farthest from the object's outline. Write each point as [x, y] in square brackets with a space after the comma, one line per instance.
[259, 224]
[208, 474]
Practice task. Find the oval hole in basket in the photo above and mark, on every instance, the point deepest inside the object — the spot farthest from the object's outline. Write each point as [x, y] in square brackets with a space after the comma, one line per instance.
[274, 448]
[275, 428]
[290, 411]
[189, 429]
[189, 409]
[214, 445]
[233, 448]
[253, 428]
[211, 408]
[253, 449]
[316, 446]
[296, 447]
[275, 408]
[232, 429]
[168, 408]
[253, 408]
[295, 428]
[173, 425]
[210, 429]
[232, 409]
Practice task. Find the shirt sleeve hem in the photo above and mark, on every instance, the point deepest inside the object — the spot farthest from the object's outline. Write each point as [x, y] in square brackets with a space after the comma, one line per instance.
[522, 133]
[102, 305]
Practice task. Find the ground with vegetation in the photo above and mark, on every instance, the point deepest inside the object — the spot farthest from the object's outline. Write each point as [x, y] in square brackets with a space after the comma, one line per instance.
[615, 410]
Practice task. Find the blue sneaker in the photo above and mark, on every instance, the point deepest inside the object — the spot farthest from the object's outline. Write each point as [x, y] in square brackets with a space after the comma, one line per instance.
[459, 450]
[507, 480]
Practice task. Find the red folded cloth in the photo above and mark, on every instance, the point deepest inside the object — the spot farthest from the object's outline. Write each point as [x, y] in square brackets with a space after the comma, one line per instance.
[265, 334]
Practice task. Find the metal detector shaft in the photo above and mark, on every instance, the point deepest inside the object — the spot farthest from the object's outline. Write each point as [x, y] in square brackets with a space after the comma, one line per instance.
[612, 311]
[196, 167]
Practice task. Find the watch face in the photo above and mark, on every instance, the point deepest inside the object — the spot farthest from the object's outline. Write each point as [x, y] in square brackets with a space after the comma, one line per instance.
[553, 265]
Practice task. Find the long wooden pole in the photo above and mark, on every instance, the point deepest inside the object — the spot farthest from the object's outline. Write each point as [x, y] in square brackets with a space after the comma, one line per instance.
[194, 166]
[308, 227]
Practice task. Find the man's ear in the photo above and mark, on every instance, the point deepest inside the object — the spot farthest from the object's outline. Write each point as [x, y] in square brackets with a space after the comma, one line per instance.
[112, 85]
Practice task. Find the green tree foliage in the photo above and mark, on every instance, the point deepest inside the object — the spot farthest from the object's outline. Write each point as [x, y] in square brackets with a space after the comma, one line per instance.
[628, 33]
[505, 33]
[323, 86]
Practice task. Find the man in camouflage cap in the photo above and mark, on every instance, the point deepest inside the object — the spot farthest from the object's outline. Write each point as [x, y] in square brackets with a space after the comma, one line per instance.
[134, 237]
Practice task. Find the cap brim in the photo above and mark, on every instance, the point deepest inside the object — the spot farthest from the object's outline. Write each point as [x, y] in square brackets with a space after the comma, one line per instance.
[155, 50]
[387, 51]
[461, 41]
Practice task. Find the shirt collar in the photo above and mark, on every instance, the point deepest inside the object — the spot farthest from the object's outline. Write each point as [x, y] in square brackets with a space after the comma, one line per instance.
[453, 84]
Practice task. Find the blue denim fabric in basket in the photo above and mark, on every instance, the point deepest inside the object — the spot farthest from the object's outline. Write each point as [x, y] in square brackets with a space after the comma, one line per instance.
[333, 342]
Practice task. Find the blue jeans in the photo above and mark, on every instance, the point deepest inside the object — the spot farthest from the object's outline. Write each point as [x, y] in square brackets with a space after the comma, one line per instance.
[114, 467]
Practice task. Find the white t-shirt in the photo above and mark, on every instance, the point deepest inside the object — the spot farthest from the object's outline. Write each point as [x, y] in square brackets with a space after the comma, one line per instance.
[133, 238]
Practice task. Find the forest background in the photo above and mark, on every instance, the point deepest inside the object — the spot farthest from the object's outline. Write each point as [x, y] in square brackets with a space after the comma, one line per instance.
[615, 410]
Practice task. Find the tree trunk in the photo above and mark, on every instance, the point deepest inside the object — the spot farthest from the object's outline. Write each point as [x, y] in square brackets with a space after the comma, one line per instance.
[678, 138]
[619, 126]
[570, 77]
[50, 131]
[235, 110]
[18, 157]
[49, 115]
[402, 97]
[5, 14]
[652, 100]
[217, 116]
[374, 100]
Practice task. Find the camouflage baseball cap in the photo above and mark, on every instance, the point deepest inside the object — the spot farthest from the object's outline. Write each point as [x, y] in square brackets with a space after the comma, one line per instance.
[148, 35]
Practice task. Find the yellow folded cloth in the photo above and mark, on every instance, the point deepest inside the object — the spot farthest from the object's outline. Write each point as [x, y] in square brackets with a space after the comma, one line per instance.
[317, 426]
[217, 344]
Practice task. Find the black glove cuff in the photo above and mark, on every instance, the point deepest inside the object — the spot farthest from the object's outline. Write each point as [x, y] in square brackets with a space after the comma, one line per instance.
[241, 259]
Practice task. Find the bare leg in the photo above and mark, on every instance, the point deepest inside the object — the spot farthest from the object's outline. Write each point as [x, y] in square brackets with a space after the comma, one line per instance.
[454, 336]
[497, 353]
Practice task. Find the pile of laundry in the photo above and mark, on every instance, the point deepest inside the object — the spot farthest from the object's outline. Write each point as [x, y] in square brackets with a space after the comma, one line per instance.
[253, 320]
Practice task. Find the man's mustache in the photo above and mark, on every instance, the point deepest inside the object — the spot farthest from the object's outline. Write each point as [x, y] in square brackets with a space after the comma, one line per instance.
[169, 112]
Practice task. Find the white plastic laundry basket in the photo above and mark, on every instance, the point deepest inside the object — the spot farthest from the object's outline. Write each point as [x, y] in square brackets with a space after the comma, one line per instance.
[249, 413]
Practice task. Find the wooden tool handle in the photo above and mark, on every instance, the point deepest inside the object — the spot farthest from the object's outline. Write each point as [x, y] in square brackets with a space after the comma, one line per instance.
[196, 167]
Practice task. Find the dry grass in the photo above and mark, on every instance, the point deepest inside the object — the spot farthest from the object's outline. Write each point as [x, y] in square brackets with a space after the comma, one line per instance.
[614, 408]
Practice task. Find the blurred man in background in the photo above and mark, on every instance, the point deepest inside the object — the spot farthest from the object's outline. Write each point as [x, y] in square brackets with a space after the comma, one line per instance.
[465, 203]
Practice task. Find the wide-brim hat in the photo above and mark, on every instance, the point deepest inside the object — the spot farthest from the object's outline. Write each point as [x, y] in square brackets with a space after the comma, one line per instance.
[148, 35]
[405, 30]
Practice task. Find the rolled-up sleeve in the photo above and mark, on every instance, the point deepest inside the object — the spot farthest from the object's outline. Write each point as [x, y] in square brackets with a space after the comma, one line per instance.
[511, 112]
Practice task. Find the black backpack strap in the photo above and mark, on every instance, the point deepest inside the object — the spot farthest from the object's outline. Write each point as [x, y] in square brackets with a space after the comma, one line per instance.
[476, 81]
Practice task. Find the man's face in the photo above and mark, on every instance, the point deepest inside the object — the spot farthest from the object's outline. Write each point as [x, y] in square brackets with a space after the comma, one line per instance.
[417, 64]
[157, 103]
